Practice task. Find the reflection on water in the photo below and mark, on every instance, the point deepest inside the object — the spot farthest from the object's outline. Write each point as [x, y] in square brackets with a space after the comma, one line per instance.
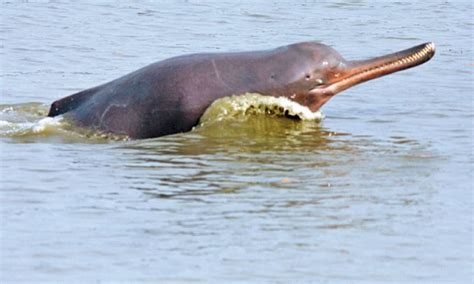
[226, 161]
[265, 152]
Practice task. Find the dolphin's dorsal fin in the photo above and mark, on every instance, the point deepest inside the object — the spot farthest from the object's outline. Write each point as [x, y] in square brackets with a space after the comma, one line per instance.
[70, 102]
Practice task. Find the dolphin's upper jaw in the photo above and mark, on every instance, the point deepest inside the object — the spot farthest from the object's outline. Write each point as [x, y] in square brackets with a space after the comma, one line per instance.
[357, 72]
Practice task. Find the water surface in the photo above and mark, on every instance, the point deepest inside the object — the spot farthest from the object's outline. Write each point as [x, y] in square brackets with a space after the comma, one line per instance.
[380, 190]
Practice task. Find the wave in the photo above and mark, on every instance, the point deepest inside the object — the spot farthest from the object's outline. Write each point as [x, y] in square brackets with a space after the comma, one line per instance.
[26, 119]
[243, 106]
[30, 120]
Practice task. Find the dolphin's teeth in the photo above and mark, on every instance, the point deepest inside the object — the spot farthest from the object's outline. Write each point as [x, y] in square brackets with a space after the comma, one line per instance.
[414, 58]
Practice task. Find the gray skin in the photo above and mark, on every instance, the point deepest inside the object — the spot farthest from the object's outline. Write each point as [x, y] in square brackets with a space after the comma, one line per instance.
[170, 96]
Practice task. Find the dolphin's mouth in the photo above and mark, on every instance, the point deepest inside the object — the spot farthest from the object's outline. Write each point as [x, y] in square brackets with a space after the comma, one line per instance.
[358, 72]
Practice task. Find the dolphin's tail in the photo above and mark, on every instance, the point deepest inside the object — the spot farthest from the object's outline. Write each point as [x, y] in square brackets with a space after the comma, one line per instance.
[70, 102]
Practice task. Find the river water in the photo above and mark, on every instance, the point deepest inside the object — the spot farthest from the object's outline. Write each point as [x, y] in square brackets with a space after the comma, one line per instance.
[380, 190]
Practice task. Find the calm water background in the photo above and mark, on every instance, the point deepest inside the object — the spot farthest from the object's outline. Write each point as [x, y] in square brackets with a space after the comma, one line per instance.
[381, 190]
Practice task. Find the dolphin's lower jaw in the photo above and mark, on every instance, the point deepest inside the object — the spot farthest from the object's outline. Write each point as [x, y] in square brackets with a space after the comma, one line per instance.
[357, 72]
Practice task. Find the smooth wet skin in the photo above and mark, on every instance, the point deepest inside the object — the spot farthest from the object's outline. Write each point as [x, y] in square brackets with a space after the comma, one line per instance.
[170, 96]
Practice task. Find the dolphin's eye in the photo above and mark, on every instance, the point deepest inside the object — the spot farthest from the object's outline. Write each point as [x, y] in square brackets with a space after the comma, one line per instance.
[319, 81]
[308, 76]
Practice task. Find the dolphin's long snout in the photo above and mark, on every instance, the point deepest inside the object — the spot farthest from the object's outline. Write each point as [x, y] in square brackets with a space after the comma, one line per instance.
[364, 70]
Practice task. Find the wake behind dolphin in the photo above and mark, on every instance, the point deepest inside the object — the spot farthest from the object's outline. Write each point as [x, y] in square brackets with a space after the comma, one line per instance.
[170, 96]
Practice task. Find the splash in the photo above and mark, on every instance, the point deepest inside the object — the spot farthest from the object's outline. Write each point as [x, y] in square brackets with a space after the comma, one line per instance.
[29, 121]
[40, 127]
[252, 103]
[26, 120]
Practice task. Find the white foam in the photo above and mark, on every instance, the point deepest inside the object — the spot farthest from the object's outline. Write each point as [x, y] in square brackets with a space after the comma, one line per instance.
[46, 122]
[35, 127]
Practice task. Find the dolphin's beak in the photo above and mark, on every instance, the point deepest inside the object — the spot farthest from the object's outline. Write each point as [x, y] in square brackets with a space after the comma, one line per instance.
[357, 72]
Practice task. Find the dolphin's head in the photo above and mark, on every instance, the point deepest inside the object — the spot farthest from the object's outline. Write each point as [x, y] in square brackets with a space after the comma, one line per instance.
[318, 72]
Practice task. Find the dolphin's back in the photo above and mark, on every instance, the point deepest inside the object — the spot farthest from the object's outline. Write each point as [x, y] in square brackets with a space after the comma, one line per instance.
[71, 102]
[168, 96]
